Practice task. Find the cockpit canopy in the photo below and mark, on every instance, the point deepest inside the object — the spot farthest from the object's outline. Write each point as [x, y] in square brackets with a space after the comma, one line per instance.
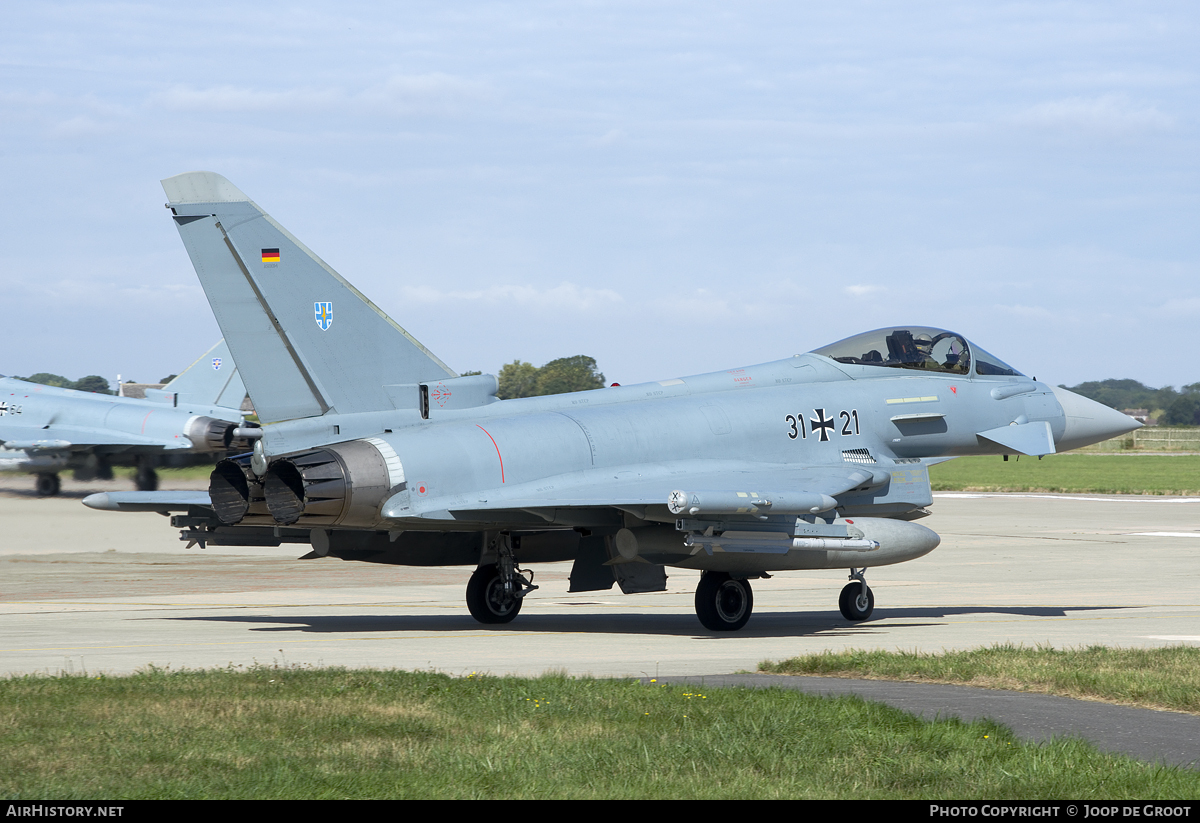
[916, 347]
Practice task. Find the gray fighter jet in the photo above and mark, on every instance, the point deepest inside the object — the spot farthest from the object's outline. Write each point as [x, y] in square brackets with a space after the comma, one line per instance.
[45, 429]
[374, 450]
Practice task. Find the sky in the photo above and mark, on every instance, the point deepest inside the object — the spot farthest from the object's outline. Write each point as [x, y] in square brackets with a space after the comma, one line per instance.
[669, 187]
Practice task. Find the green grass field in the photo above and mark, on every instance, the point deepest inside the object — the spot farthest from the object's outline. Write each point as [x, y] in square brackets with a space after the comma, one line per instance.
[1163, 678]
[331, 733]
[1094, 473]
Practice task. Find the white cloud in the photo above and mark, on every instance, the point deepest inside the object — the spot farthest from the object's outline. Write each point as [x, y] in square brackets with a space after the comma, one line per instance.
[566, 296]
[396, 94]
[1039, 313]
[1187, 307]
[1113, 114]
[237, 99]
[609, 138]
[863, 290]
[79, 126]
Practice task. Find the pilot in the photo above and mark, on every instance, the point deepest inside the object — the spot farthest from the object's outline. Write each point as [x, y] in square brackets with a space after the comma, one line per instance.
[924, 346]
[956, 358]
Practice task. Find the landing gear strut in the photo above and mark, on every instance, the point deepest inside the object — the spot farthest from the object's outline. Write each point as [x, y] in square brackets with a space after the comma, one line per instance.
[496, 590]
[47, 485]
[723, 603]
[856, 601]
[146, 478]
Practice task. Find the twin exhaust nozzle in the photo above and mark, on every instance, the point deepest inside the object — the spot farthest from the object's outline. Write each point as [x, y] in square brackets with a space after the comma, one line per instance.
[342, 485]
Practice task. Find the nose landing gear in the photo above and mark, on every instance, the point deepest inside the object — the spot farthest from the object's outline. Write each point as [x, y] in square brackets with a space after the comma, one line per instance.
[856, 601]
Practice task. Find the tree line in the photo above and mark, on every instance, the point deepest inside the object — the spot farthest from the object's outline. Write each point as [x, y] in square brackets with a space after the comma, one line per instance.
[1170, 407]
[567, 374]
[517, 379]
[93, 382]
[521, 378]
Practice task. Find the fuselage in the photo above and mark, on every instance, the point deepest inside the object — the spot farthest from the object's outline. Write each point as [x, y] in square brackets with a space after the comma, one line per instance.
[41, 427]
[804, 411]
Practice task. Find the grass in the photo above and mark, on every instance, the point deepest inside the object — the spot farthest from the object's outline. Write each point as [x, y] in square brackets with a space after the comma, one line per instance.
[1077, 473]
[332, 733]
[1163, 678]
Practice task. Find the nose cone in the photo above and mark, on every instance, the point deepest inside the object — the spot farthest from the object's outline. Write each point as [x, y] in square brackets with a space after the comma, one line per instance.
[1088, 421]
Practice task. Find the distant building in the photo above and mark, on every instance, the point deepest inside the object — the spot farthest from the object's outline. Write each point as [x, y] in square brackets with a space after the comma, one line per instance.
[1142, 416]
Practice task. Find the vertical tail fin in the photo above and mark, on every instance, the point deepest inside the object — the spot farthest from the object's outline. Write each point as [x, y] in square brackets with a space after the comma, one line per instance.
[213, 380]
[305, 341]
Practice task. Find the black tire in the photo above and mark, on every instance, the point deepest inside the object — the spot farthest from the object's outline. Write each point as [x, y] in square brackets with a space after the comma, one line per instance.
[723, 604]
[853, 604]
[486, 600]
[146, 480]
[47, 485]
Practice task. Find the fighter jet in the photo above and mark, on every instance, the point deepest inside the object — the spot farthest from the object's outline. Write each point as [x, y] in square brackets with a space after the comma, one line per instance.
[45, 429]
[373, 450]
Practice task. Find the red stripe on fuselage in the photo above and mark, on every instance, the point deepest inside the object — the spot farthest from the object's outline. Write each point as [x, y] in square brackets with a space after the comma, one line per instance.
[485, 431]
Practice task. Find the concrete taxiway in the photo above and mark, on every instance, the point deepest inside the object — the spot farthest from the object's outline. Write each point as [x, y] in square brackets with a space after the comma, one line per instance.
[90, 591]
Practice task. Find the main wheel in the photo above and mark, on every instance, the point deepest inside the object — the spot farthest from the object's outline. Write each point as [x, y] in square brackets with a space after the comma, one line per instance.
[486, 598]
[47, 485]
[146, 479]
[854, 603]
[723, 604]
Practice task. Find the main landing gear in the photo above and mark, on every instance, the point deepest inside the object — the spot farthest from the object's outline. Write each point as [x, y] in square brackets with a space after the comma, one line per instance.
[723, 602]
[857, 602]
[496, 590]
[47, 485]
[146, 478]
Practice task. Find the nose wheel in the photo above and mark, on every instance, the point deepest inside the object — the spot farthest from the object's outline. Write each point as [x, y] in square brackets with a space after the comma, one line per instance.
[856, 601]
[723, 603]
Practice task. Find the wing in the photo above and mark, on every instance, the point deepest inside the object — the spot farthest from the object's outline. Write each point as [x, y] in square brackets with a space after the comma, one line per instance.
[78, 437]
[718, 485]
[165, 501]
[664, 490]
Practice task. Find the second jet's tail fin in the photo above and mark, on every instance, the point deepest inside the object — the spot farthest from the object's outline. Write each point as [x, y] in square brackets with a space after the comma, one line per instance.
[213, 380]
[305, 341]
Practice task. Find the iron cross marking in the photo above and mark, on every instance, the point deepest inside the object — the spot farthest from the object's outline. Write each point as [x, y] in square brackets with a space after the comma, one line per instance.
[825, 424]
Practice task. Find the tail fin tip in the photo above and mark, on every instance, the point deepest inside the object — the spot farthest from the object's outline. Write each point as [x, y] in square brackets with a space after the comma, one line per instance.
[201, 187]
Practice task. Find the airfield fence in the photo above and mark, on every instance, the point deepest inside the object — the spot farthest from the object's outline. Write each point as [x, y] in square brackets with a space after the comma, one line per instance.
[1152, 438]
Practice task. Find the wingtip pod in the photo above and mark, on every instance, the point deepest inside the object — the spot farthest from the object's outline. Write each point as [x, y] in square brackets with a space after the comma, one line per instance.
[201, 187]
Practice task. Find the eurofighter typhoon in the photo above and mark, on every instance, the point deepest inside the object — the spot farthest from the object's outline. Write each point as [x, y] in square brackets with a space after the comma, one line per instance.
[46, 429]
[372, 449]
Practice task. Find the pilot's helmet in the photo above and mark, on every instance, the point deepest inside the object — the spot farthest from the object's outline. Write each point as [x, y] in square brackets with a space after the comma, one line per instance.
[924, 343]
